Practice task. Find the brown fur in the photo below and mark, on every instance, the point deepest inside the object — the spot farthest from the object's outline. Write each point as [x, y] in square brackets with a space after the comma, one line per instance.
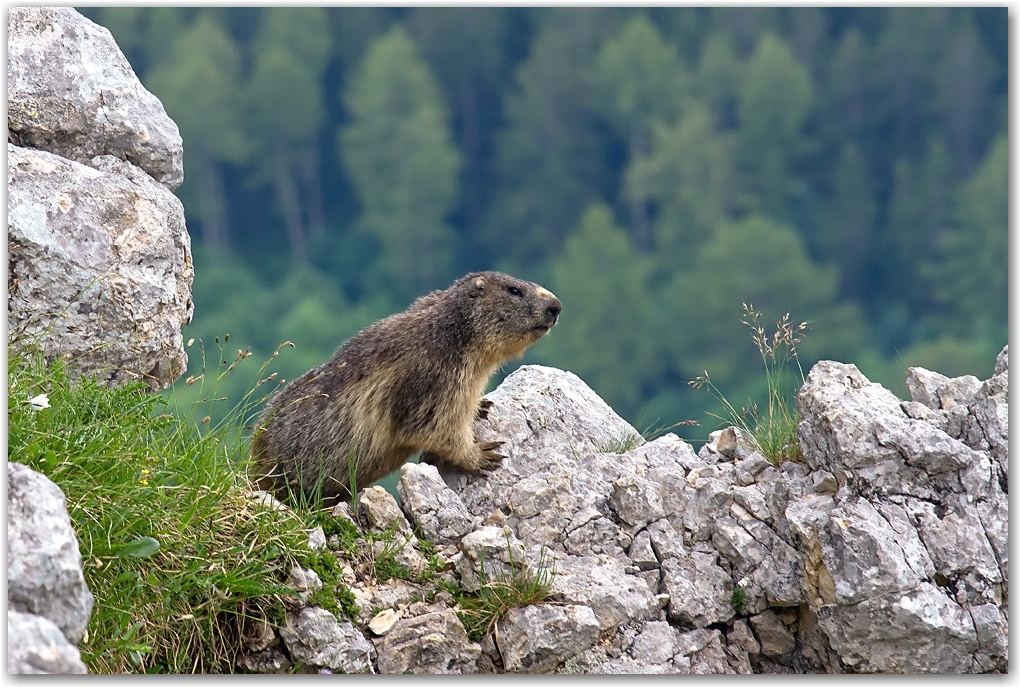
[412, 381]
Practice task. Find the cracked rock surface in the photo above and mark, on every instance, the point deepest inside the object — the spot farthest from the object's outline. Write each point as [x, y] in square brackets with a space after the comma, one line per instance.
[99, 258]
[886, 550]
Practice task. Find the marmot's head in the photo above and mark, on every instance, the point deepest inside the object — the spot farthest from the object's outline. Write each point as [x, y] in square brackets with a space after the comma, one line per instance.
[507, 314]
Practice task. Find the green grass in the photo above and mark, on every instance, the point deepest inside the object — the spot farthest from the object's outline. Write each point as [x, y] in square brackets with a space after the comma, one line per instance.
[773, 432]
[519, 586]
[180, 561]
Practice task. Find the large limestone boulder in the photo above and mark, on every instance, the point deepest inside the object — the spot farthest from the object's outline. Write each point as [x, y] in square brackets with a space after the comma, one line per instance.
[100, 265]
[99, 258]
[71, 91]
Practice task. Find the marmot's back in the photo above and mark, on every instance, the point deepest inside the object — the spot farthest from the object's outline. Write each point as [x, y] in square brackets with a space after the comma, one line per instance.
[410, 382]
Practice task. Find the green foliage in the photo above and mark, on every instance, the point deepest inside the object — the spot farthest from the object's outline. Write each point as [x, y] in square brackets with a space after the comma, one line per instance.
[199, 84]
[687, 174]
[479, 138]
[738, 599]
[398, 152]
[773, 103]
[180, 561]
[970, 274]
[548, 154]
[639, 76]
[774, 432]
[603, 284]
[521, 585]
[335, 596]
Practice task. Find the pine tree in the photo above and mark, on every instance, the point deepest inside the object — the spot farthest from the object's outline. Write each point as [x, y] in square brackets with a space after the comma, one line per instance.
[199, 86]
[398, 151]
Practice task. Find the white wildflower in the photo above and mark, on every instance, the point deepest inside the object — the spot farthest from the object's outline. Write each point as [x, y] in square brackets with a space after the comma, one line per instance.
[39, 402]
[744, 582]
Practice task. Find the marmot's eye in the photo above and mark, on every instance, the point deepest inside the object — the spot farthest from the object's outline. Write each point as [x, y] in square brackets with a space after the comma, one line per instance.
[514, 291]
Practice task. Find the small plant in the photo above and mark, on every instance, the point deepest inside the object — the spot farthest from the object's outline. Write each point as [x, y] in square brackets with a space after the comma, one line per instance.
[621, 444]
[335, 596]
[738, 599]
[519, 586]
[774, 432]
[386, 565]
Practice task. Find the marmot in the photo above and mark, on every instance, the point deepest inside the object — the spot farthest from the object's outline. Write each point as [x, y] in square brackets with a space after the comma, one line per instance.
[412, 381]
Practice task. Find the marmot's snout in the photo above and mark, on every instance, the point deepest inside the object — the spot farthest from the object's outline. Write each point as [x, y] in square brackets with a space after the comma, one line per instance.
[551, 313]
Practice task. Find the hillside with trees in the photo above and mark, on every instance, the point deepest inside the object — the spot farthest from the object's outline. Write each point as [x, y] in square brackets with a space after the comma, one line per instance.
[655, 168]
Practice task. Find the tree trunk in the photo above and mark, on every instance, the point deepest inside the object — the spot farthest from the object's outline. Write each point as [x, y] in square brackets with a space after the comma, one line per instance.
[286, 195]
[212, 207]
[639, 200]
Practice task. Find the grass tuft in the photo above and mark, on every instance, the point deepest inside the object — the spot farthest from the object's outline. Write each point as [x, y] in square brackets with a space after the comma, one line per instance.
[181, 561]
[773, 432]
[520, 586]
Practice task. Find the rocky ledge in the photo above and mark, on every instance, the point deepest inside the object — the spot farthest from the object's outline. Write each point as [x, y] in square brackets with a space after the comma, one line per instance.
[885, 551]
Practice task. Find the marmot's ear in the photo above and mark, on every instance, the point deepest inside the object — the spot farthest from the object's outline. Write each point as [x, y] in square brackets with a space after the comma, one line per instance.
[479, 286]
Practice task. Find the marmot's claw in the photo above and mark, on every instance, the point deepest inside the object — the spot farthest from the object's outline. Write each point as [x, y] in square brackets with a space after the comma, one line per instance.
[492, 460]
[483, 408]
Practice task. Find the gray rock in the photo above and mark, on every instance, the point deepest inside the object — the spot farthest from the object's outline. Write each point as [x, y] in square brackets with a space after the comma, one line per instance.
[991, 411]
[44, 573]
[71, 91]
[742, 637]
[317, 538]
[957, 543]
[304, 582]
[853, 427]
[601, 583]
[700, 591]
[993, 641]
[435, 508]
[712, 496]
[919, 631]
[641, 552]
[314, 637]
[959, 391]
[750, 467]
[1002, 361]
[923, 386]
[270, 661]
[381, 510]
[36, 645]
[490, 553]
[867, 557]
[738, 546]
[100, 267]
[665, 540]
[383, 622]
[537, 638]
[546, 417]
[427, 644]
[776, 641]
[342, 511]
[636, 500]
[393, 593]
[656, 644]
[704, 653]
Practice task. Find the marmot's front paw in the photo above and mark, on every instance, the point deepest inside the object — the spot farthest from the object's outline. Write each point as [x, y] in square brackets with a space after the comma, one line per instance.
[483, 408]
[490, 459]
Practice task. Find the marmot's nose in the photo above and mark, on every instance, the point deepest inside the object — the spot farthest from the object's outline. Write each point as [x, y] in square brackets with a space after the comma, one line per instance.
[553, 311]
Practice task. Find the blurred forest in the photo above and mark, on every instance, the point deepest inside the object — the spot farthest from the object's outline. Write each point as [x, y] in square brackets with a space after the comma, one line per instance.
[655, 168]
